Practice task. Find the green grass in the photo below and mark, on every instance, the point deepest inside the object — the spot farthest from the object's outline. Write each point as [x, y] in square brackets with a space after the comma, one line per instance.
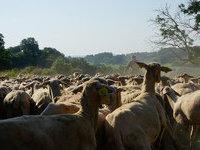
[28, 71]
[105, 69]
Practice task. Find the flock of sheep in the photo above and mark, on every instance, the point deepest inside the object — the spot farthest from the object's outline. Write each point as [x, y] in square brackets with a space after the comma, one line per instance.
[81, 112]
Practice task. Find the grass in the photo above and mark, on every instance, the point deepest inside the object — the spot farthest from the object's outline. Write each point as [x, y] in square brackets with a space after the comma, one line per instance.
[106, 69]
[28, 71]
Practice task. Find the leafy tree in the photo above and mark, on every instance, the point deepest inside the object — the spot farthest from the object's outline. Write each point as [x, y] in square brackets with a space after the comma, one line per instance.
[195, 53]
[48, 56]
[106, 58]
[174, 32]
[5, 57]
[192, 9]
[1, 41]
[81, 65]
[61, 66]
[30, 48]
[14, 50]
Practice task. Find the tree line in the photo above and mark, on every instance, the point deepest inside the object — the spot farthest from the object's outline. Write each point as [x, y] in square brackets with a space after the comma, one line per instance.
[27, 53]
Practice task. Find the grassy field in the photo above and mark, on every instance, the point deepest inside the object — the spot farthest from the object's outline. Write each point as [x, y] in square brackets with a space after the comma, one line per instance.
[111, 69]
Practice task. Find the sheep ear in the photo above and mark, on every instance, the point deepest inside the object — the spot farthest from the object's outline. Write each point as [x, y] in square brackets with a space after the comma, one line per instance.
[165, 69]
[141, 64]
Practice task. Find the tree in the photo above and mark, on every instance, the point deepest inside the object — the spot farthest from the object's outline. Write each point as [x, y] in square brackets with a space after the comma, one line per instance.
[174, 31]
[192, 9]
[61, 66]
[30, 48]
[48, 56]
[14, 50]
[5, 57]
[1, 41]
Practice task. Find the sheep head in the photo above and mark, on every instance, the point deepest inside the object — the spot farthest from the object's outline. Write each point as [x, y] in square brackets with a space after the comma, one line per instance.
[115, 100]
[165, 81]
[170, 94]
[185, 77]
[154, 69]
[102, 93]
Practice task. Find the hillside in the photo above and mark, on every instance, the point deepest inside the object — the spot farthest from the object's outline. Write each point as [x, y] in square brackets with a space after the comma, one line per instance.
[163, 56]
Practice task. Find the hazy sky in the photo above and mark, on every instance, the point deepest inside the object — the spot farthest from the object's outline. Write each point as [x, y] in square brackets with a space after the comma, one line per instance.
[80, 27]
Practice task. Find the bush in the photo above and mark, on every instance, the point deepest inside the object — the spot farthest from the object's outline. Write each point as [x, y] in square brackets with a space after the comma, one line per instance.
[62, 67]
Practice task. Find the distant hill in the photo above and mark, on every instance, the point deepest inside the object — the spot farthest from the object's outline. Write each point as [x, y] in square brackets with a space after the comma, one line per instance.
[163, 56]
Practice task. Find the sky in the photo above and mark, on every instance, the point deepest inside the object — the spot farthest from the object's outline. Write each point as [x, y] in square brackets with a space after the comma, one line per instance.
[82, 27]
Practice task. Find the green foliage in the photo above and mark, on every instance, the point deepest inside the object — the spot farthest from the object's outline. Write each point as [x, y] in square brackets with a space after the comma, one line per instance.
[61, 66]
[69, 65]
[48, 56]
[165, 55]
[27, 58]
[29, 54]
[30, 49]
[5, 57]
[29, 46]
[31, 70]
[81, 65]
[15, 50]
[106, 58]
[1, 41]
[117, 69]
[175, 30]
[192, 9]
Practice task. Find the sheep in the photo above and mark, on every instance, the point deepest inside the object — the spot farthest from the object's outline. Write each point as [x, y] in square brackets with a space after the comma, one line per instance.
[185, 77]
[42, 98]
[54, 88]
[184, 88]
[61, 108]
[73, 93]
[164, 81]
[195, 80]
[17, 103]
[33, 86]
[137, 125]
[120, 80]
[136, 80]
[61, 132]
[5, 77]
[185, 109]
[4, 90]
[130, 91]
[70, 108]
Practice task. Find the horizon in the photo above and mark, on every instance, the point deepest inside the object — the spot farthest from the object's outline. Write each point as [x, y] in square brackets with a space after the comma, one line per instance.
[80, 28]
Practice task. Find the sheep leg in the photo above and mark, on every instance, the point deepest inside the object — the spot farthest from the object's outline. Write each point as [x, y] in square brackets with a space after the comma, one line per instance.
[193, 133]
